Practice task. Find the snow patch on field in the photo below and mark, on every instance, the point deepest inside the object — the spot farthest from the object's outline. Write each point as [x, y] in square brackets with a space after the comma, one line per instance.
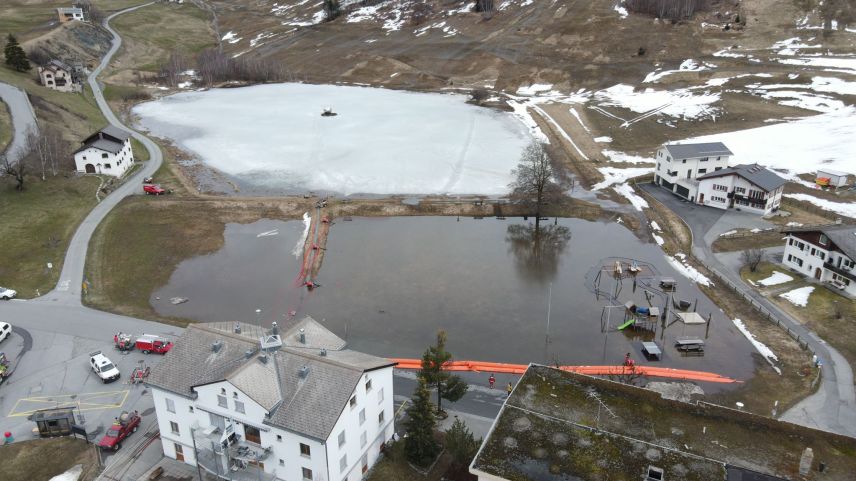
[72, 474]
[688, 65]
[841, 208]
[534, 89]
[679, 103]
[521, 111]
[834, 64]
[655, 226]
[603, 140]
[616, 156]
[614, 175]
[798, 297]
[576, 114]
[728, 233]
[626, 191]
[622, 12]
[230, 37]
[775, 279]
[801, 146]
[448, 30]
[762, 348]
[688, 271]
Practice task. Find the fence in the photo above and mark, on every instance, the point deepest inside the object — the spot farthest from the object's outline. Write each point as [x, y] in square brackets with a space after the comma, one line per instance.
[759, 307]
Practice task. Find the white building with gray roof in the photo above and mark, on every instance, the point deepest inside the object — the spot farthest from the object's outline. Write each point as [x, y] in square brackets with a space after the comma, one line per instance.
[107, 151]
[748, 187]
[245, 404]
[679, 165]
[824, 253]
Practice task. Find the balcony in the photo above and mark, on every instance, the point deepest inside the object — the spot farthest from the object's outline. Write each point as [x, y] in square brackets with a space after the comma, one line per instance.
[840, 271]
[237, 463]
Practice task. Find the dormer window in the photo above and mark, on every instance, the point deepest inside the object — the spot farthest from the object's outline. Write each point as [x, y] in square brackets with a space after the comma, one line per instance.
[824, 240]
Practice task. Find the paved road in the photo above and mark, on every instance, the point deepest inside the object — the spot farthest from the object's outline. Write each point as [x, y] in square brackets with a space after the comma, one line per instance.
[833, 406]
[23, 117]
[68, 290]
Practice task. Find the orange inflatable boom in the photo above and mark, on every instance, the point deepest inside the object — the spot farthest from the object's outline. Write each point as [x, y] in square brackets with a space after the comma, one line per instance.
[501, 367]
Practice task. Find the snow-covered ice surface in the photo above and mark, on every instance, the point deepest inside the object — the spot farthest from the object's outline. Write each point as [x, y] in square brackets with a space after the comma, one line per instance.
[775, 279]
[798, 297]
[679, 262]
[801, 146]
[842, 208]
[381, 142]
[72, 474]
[762, 348]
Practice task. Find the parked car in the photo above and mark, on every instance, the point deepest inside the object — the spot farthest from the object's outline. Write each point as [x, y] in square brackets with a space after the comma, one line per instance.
[153, 189]
[122, 427]
[152, 343]
[102, 366]
[5, 330]
[7, 294]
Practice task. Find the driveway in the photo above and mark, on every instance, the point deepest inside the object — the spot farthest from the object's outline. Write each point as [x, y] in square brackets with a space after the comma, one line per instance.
[23, 118]
[833, 406]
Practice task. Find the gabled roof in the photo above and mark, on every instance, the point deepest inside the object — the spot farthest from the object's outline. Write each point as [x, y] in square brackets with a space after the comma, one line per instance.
[109, 139]
[754, 173]
[307, 404]
[55, 65]
[690, 151]
[842, 235]
[76, 10]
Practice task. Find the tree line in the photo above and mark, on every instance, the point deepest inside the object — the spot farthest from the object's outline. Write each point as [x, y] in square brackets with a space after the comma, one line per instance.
[212, 66]
[667, 9]
[43, 153]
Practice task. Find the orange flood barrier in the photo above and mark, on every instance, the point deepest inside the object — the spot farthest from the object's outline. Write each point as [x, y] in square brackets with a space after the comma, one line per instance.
[501, 367]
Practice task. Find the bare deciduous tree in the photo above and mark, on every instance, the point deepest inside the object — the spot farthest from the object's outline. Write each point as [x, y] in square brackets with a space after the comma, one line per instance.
[18, 168]
[420, 12]
[668, 9]
[214, 66]
[534, 182]
[751, 258]
[51, 150]
[170, 72]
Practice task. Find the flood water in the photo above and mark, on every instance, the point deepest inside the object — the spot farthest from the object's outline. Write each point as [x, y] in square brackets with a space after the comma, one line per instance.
[388, 284]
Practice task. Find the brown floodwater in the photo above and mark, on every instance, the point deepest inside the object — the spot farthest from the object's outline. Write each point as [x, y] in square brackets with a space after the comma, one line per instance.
[388, 284]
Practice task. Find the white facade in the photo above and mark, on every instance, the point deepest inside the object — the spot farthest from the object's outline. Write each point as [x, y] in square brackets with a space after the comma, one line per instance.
[98, 160]
[678, 175]
[69, 14]
[734, 191]
[364, 424]
[58, 78]
[821, 261]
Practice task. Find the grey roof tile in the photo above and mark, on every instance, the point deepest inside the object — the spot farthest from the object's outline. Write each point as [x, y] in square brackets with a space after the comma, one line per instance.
[754, 173]
[690, 151]
[842, 235]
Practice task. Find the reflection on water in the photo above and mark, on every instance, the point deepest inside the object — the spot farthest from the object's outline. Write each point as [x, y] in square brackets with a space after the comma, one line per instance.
[537, 249]
[390, 283]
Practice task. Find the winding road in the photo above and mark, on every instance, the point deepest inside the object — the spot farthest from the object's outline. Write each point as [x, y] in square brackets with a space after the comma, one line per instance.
[23, 118]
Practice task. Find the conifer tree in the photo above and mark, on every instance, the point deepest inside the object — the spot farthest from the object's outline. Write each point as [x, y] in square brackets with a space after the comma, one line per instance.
[448, 386]
[15, 55]
[420, 446]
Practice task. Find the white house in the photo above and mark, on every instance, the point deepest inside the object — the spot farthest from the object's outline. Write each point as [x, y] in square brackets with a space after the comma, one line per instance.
[679, 165]
[107, 151]
[57, 75]
[826, 253]
[749, 187]
[293, 406]
[69, 14]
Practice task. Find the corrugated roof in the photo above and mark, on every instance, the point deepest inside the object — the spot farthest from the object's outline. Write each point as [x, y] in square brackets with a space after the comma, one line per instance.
[754, 173]
[842, 235]
[689, 151]
[308, 405]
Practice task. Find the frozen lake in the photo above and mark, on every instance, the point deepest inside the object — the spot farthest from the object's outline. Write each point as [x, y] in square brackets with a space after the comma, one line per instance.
[273, 138]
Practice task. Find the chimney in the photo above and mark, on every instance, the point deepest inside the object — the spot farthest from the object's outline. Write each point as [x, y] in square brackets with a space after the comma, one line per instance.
[263, 358]
[323, 352]
[302, 336]
[237, 328]
[274, 329]
[216, 345]
[303, 372]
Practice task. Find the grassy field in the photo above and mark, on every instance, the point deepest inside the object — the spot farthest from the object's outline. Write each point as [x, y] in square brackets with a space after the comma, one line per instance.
[757, 240]
[36, 227]
[150, 34]
[46, 458]
[26, 19]
[764, 270]
[5, 127]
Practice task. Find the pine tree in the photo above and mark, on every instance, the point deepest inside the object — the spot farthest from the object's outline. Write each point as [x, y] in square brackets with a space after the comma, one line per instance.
[448, 386]
[420, 447]
[15, 55]
[460, 443]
